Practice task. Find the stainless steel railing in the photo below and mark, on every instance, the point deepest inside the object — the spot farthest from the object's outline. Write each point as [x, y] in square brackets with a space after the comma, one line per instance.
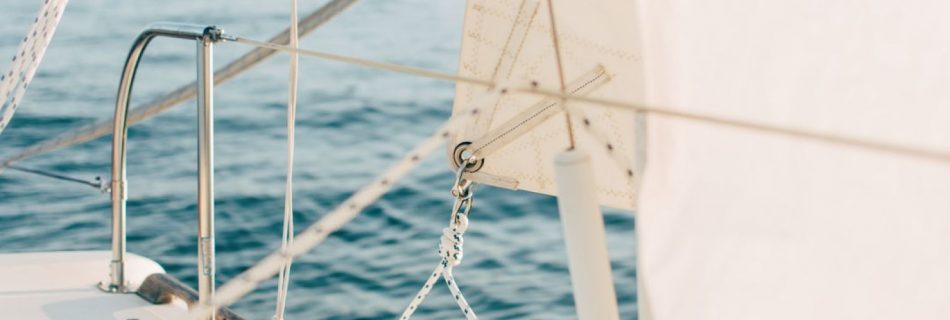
[205, 37]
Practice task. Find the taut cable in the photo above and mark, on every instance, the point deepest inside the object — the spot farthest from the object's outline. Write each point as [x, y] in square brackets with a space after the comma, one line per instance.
[99, 184]
[287, 234]
[941, 156]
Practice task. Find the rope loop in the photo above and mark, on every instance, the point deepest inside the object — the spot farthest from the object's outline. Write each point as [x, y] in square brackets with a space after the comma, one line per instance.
[450, 247]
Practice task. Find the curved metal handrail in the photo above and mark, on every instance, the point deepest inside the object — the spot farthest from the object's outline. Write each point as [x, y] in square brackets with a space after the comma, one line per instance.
[205, 37]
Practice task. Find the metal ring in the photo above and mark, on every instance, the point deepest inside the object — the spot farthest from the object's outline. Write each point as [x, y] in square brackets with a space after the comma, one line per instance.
[461, 187]
[459, 159]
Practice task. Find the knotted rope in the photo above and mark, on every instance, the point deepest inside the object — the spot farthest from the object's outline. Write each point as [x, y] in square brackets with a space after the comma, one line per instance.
[450, 249]
[317, 232]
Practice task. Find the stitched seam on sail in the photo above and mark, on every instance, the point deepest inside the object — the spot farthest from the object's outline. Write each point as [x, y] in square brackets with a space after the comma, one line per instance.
[536, 114]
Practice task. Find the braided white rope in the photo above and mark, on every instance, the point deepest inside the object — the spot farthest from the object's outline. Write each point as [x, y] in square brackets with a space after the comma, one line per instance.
[450, 249]
[287, 237]
[27, 58]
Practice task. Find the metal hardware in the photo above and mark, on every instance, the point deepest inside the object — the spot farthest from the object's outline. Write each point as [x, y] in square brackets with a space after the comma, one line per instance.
[206, 265]
[104, 185]
[161, 288]
[205, 36]
[462, 190]
[461, 154]
[462, 187]
[97, 183]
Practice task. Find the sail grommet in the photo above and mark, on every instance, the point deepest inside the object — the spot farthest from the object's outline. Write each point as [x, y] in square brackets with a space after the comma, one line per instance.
[461, 155]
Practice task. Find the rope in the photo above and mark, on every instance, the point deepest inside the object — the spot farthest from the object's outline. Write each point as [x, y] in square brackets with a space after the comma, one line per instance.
[104, 127]
[27, 58]
[444, 270]
[450, 249]
[99, 184]
[287, 238]
[936, 155]
[367, 63]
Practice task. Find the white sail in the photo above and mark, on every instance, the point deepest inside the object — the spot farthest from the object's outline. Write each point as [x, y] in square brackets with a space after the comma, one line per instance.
[510, 42]
[740, 224]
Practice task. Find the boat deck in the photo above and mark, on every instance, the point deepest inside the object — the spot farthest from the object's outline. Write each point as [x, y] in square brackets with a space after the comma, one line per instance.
[63, 285]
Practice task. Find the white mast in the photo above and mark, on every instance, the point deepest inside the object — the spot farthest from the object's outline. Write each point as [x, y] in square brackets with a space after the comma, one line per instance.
[585, 237]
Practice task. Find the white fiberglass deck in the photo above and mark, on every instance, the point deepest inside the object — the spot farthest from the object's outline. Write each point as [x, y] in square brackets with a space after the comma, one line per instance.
[62, 285]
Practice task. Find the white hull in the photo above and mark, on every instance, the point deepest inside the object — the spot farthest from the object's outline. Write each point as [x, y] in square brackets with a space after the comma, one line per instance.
[63, 285]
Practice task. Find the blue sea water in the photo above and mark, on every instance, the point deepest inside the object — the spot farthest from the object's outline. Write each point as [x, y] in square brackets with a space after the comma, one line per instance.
[352, 123]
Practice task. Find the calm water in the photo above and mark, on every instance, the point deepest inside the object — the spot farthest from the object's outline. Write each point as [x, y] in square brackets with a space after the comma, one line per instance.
[352, 122]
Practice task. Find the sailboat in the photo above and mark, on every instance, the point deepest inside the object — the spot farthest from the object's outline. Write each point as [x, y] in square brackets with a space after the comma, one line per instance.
[783, 160]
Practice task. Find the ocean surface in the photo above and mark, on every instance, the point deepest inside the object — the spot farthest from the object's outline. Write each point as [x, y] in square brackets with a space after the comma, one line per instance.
[352, 122]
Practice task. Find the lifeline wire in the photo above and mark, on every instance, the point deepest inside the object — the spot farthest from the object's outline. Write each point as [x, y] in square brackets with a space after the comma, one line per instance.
[942, 156]
[287, 237]
[368, 63]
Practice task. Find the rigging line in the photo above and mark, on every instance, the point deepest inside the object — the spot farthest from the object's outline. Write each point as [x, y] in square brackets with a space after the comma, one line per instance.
[942, 156]
[287, 237]
[317, 232]
[536, 114]
[368, 63]
[560, 76]
[97, 184]
[307, 25]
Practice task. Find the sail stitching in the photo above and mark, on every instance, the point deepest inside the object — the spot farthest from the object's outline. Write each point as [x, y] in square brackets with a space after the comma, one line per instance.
[287, 234]
[510, 54]
[532, 116]
[599, 77]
